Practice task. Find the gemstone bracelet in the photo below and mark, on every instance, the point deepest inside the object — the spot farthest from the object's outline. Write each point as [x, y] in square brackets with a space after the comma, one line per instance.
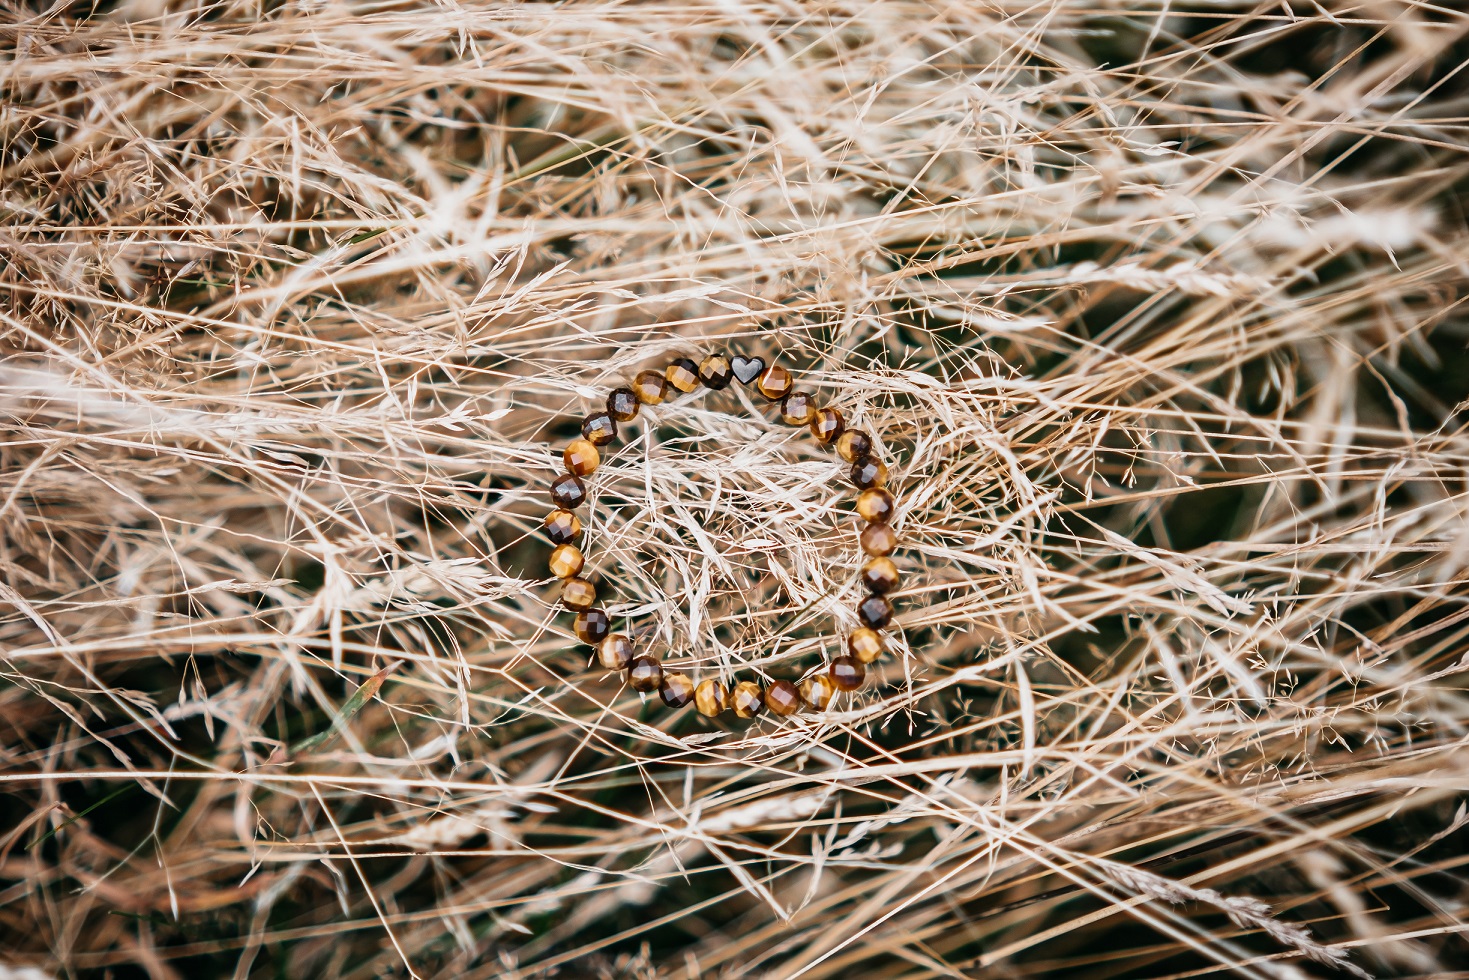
[875, 505]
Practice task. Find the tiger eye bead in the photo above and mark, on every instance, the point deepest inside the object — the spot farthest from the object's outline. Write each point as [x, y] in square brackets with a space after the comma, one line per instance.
[876, 505]
[853, 444]
[615, 651]
[775, 383]
[847, 673]
[622, 404]
[592, 626]
[865, 645]
[880, 575]
[568, 492]
[783, 698]
[581, 457]
[650, 387]
[645, 674]
[827, 425]
[676, 690]
[683, 374]
[566, 560]
[715, 372]
[711, 697]
[878, 539]
[875, 611]
[562, 527]
[797, 408]
[869, 472]
[746, 700]
[817, 691]
[599, 428]
[578, 594]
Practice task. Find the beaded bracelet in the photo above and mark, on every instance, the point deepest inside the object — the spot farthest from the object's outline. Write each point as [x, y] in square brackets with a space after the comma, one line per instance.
[875, 504]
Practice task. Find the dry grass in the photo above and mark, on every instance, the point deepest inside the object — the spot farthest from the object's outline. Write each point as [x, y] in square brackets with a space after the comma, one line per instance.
[1156, 306]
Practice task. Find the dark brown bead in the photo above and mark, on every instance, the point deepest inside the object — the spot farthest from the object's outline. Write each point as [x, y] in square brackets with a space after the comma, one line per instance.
[880, 575]
[797, 408]
[876, 505]
[581, 457]
[746, 700]
[775, 383]
[875, 611]
[782, 697]
[622, 404]
[566, 560]
[615, 651]
[645, 674]
[592, 626]
[853, 444]
[827, 425]
[676, 690]
[847, 673]
[578, 593]
[568, 491]
[683, 374]
[817, 691]
[711, 697]
[878, 539]
[865, 645]
[562, 527]
[599, 428]
[650, 387]
[869, 472]
[715, 372]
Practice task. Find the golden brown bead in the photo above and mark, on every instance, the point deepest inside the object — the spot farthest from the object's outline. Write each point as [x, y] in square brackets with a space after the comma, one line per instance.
[875, 611]
[847, 673]
[566, 560]
[880, 575]
[578, 593]
[746, 699]
[562, 527]
[797, 408]
[876, 505]
[599, 428]
[568, 492]
[853, 444]
[592, 626]
[676, 689]
[865, 645]
[782, 697]
[827, 425]
[817, 691]
[711, 697]
[650, 387]
[878, 539]
[869, 472]
[645, 674]
[683, 374]
[716, 372]
[622, 404]
[775, 383]
[581, 457]
[615, 651]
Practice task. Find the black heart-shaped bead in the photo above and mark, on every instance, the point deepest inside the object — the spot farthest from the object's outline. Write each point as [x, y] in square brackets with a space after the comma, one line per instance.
[747, 369]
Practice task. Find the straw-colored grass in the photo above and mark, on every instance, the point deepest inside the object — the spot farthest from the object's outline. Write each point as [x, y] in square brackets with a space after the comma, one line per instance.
[1155, 308]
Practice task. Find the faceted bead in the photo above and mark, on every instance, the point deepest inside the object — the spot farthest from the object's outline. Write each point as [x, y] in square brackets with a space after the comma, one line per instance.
[827, 425]
[568, 492]
[878, 539]
[566, 560]
[876, 505]
[746, 699]
[715, 372]
[775, 383]
[650, 387]
[875, 611]
[645, 674]
[880, 575]
[783, 698]
[683, 374]
[622, 404]
[847, 673]
[562, 527]
[797, 408]
[578, 593]
[869, 472]
[599, 428]
[817, 691]
[615, 652]
[581, 457]
[853, 444]
[592, 626]
[676, 690]
[711, 697]
[865, 645]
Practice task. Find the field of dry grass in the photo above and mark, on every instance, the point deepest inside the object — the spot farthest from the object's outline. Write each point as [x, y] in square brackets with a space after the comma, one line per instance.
[1156, 308]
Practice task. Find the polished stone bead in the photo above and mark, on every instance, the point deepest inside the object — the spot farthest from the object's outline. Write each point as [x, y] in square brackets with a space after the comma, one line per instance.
[775, 383]
[876, 505]
[782, 697]
[568, 492]
[578, 593]
[676, 690]
[875, 611]
[566, 560]
[592, 626]
[853, 444]
[746, 369]
[615, 651]
[869, 472]
[847, 673]
[797, 408]
[622, 404]
[599, 428]
[650, 387]
[562, 527]
[711, 697]
[715, 372]
[817, 691]
[683, 374]
[645, 674]
[581, 457]
[746, 699]
[865, 645]
[878, 539]
[827, 425]
[880, 575]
